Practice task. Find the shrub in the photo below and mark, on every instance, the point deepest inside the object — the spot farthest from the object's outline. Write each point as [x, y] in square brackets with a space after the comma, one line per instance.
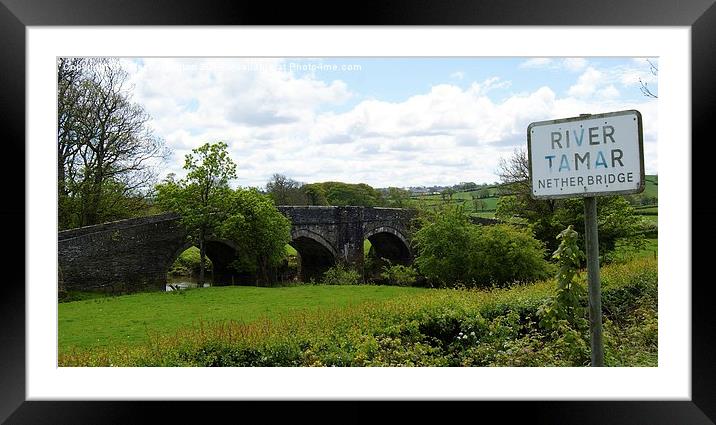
[509, 254]
[452, 251]
[188, 263]
[399, 274]
[565, 308]
[340, 274]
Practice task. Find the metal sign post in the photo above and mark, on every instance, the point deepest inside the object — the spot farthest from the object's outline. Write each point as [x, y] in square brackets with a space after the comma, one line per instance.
[591, 242]
[588, 156]
[594, 284]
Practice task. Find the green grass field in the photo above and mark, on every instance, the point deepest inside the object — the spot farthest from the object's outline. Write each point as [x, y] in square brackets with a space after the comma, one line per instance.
[125, 320]
[650, 250]
[651, 188]
[356, 326]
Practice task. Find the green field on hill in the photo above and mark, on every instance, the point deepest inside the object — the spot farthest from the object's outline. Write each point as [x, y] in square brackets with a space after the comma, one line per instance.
[487, 210]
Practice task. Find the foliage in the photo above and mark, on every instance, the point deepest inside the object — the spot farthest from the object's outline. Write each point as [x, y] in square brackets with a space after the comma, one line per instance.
[285, 191]
[421, 327]
[105, 147]
[397, 198]
[315, 194]
[201, 197]
[340, 274]
[617, 219]
[345, 194]
[451, 250]
[398, 274]
[188, 263]
[262, 232]
[566, 308]
[509, 254]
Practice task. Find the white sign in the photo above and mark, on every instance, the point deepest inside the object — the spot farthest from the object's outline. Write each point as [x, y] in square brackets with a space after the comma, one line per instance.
[592, 155]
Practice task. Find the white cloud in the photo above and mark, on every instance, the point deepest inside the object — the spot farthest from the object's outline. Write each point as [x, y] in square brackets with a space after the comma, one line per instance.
[609, 92]
[277, 121]
[570, 64]
[587, 83]
[536, 63]
[458, 75]
[574, 64]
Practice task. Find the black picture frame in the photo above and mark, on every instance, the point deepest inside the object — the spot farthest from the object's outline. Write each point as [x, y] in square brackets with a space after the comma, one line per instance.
[16, 15]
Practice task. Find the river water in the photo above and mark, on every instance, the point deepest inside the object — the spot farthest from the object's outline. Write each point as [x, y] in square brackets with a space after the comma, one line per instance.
[184, 282]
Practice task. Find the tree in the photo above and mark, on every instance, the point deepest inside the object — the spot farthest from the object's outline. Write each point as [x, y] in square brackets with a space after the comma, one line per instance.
[285, 191]
[646, 91]
[484, 193]
[105, 148]
[262, 232]
[516, 199]
[547, 218]
[447, 194]
[477, 202]
[315, 194]
[397, 197]
[616, 219]
[344, 194]
[201, 197]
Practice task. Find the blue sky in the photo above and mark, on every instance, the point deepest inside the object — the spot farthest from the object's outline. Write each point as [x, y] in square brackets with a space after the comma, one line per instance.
[382, 121]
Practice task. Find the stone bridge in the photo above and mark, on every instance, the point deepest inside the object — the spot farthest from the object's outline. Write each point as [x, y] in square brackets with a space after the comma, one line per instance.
[135, 254]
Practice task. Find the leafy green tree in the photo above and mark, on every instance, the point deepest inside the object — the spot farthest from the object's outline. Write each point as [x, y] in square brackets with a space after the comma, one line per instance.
[262, 232]
[345, 194]
[315, 194]
[200, 198]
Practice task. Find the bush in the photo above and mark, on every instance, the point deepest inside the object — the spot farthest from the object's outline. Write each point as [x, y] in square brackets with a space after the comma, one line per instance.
[399, 274]
[509, 254]
[452, 251]
[340, 274]
[188, 263]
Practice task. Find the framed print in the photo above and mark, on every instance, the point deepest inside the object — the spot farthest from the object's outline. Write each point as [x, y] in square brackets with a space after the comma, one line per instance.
[206, 43]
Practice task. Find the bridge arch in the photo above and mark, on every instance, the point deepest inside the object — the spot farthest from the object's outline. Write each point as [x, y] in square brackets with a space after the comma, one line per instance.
[315, 253]
[221, 252]
[390, 243]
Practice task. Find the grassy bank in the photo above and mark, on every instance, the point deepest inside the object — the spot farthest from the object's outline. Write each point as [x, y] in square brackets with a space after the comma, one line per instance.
[407, 326]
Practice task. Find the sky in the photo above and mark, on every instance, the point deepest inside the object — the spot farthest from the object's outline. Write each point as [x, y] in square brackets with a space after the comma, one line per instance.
[382, 121]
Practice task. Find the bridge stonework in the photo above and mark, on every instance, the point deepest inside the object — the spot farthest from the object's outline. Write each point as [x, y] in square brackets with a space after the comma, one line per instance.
[135, 254]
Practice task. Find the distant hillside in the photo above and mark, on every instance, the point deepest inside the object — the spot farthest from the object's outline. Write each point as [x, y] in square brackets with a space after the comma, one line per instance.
[483, 201]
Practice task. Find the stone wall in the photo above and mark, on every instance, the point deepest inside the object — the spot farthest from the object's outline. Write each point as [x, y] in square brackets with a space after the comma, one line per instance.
[123, 256]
